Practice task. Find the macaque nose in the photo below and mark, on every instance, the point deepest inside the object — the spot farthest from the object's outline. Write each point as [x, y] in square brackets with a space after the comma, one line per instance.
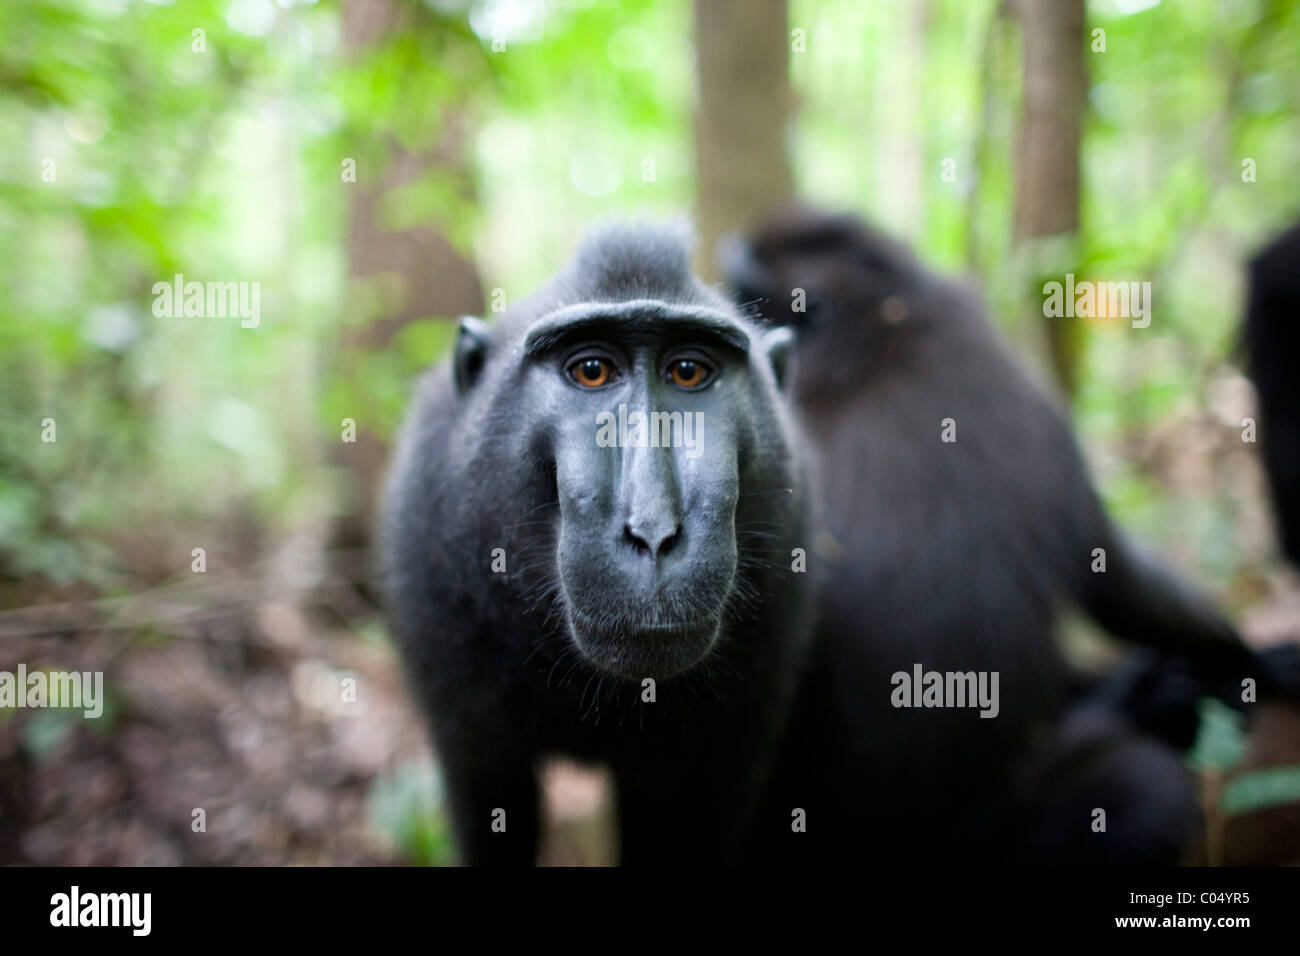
[651, 490]
[653, 536]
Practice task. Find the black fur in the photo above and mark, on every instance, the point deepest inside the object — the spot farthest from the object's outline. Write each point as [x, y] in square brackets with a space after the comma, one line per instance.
[1272, 334]
[960, 557]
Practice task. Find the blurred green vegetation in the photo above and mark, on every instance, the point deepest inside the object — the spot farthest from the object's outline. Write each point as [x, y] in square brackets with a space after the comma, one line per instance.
[406, 807]
[220, 160]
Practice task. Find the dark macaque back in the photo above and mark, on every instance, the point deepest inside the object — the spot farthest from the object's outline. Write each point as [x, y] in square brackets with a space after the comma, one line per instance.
[1272, 334]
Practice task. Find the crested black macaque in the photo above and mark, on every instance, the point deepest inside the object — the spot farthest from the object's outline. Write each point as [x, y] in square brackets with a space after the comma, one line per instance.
[960, 520]
[587, 549]
[1272, 337]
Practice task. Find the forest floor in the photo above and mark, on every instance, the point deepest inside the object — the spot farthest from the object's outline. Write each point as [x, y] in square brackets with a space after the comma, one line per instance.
[242, 711]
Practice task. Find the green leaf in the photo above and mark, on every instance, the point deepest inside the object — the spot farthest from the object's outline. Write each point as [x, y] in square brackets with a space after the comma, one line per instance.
[1220, 738]
[1261, 789]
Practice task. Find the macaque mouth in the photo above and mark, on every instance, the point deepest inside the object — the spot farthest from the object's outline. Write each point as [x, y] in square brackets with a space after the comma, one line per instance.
[637, 648]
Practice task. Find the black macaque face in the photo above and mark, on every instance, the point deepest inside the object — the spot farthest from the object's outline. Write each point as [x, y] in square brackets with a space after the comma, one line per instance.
[647, 412]
[803, 266]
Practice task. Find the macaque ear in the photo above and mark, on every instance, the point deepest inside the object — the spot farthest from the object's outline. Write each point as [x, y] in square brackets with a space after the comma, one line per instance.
[471, 352]
[778, 343]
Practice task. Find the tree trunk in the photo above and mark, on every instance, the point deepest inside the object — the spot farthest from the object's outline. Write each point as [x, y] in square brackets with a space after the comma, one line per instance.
[1047, 176]
[742, 111]
[436, 279]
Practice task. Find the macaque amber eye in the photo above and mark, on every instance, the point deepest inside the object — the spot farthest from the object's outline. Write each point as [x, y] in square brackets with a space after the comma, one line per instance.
[591, 372]
[688, 373]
